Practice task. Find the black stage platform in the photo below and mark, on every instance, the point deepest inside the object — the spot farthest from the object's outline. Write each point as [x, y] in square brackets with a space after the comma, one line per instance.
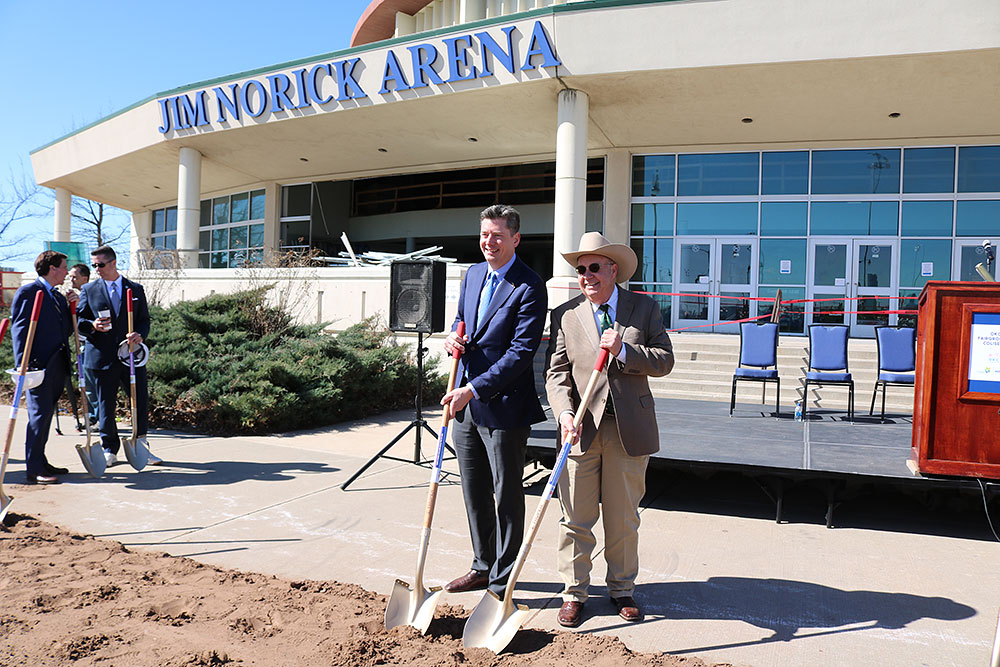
[825, 450]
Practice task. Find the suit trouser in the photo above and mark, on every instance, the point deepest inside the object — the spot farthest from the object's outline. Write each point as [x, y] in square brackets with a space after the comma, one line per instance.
[491, 462]
[41, 405]
[108, 382]
[603, 482]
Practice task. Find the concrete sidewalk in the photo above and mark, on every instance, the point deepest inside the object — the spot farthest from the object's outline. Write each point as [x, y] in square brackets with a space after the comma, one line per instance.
[724, 588]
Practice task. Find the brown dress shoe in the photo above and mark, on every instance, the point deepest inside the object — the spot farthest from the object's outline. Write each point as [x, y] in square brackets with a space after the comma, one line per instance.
[628, 609]
[470, 581]
[570, 614]
[42, 479]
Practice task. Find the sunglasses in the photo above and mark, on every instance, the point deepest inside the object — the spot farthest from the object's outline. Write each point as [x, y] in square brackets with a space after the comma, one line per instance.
[100, 265]
[593, 268]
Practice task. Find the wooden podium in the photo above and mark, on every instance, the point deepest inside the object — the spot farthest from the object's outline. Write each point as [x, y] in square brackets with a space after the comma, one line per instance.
[956, 407]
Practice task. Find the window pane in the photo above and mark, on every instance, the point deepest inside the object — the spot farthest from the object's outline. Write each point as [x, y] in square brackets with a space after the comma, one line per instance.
[828, 309]
[977, 218]
[295, 234]
[782, 261]
[255, 257]
[854, 218]
[256, 236]
[737, 264]
[203, 260]
[171, 219]
[655, 260]
[220, 213]
[258, 202]
[908, 301]
[157, 241]
[926, 218]
[784, 218]
[718, 174]
[855, 172]
[792, 319]
[237, 259]
[921, 260]
[785, 173]
[295, 200]
[696, 262]
[652, 219]
[870, 311]
[206, 216]
[238, 236]
[220, 241]
[971, 255]
[241, 207]
[170, 242]
[653, 176]
[979, 169]
[659, 294]
[874, 267]
[830, 265]
[929, 170]
[158, 221]
[220, 260]
[204, 240]
[721, 218]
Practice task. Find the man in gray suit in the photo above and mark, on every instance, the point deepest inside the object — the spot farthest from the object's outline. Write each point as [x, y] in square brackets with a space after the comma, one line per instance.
[607, 465]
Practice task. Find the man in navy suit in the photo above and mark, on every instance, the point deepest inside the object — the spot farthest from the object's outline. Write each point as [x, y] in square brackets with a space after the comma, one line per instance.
[104, 324]
[49, 352]
[503, 304]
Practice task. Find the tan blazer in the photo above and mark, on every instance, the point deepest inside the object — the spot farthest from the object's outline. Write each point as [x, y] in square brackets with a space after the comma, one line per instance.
[572, 351]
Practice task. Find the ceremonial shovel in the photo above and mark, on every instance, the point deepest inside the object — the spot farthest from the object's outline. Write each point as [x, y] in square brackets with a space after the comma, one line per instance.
[494, 622]
[135, 447]
[92, 457]
[415, 606]
[6, 500]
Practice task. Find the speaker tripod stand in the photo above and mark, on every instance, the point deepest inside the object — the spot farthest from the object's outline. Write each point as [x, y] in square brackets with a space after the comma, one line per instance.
[418, 423]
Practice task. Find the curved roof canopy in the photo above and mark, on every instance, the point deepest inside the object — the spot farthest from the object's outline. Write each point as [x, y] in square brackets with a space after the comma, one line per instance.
[379, 20]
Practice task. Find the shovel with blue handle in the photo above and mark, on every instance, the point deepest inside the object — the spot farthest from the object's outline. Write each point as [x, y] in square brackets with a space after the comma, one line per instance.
[415, 605]
[494, 622]
[6, 500]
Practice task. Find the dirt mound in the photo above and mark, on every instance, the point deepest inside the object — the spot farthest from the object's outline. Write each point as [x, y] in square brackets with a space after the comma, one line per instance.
[74, 599]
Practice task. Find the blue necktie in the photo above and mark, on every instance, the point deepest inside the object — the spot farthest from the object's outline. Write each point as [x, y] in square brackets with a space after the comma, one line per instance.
[116, 301]
[484, 299]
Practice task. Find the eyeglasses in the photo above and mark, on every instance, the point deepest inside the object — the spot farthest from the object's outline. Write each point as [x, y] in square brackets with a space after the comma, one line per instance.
[593, 268]
[100, 265]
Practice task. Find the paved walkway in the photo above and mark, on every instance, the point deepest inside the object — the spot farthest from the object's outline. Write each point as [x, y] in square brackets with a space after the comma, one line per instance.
[722, 587]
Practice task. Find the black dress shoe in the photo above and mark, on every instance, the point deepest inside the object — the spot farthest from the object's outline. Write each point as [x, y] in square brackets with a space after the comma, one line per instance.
[53, 470]
[470, 581]
[42, 479]
[570, 614]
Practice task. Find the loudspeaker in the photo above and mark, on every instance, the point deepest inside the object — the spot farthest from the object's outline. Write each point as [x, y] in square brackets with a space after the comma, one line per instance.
[416, 295]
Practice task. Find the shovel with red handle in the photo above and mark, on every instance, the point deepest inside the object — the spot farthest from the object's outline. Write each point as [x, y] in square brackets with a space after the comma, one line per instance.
[6, 500]
[415, 605]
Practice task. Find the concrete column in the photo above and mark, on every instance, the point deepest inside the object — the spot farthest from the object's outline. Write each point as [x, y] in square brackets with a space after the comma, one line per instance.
[139, 239]
[272, 214]
[64, 202]
[617, 190]
[570, 214]
[188, 207]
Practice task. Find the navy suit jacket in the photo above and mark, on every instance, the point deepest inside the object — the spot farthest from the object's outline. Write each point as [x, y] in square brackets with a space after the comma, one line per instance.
[499, 357]
[100, 348]
[52, 332]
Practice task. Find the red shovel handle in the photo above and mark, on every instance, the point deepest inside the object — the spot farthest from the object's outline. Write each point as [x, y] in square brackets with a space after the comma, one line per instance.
[128, 297]
[460, 331]
[37, 308]
[602, 359]
[72, 308]
[3, 328]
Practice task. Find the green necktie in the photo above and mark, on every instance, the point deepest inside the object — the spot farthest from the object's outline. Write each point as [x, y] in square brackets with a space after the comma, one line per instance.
[606, 322]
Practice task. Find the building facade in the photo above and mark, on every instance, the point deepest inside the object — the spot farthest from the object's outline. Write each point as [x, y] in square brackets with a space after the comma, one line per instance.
[844, 153]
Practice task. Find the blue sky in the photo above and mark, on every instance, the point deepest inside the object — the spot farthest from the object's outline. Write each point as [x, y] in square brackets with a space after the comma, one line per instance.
[66, 64]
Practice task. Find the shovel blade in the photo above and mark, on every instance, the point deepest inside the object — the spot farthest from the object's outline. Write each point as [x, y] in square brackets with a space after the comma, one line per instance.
[409, 606]
[136, 452]
[5, 502]
[92, 459]
[493, 624]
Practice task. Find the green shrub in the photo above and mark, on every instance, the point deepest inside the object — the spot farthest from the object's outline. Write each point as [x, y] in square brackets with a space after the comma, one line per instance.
[232, 364]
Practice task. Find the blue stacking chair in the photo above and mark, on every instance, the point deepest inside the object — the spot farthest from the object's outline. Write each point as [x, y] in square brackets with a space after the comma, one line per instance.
[897, 360]
[828, 361]
[759, 352]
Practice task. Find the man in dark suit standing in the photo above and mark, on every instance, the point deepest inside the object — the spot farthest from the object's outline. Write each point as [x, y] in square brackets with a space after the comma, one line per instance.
[503, 304]
[104, 324]
[49, 352]
[605, 474]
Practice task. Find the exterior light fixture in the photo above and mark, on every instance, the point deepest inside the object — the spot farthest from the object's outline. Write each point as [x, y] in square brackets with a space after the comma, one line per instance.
[747, 120]
[304, 159]
[383, 150]
[473, 139]
[895, 114]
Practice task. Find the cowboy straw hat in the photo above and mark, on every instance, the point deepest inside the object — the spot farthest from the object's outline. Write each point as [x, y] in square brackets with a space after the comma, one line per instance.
[594, 243]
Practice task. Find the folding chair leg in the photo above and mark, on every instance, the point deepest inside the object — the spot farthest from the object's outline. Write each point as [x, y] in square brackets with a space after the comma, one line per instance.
[732, 399]
[777, 398]
[884, 387]
[871, 409]
[763, 393]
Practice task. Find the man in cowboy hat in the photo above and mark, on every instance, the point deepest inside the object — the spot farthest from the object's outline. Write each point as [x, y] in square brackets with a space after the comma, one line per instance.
[606, 470]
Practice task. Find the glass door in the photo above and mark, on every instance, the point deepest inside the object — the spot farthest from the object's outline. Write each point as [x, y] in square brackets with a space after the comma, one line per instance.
[716, 278]
[876, 262]
[968, 254]
[828, 280]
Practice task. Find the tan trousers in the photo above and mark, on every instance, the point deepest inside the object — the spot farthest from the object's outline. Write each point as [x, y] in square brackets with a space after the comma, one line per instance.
[604, 477]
